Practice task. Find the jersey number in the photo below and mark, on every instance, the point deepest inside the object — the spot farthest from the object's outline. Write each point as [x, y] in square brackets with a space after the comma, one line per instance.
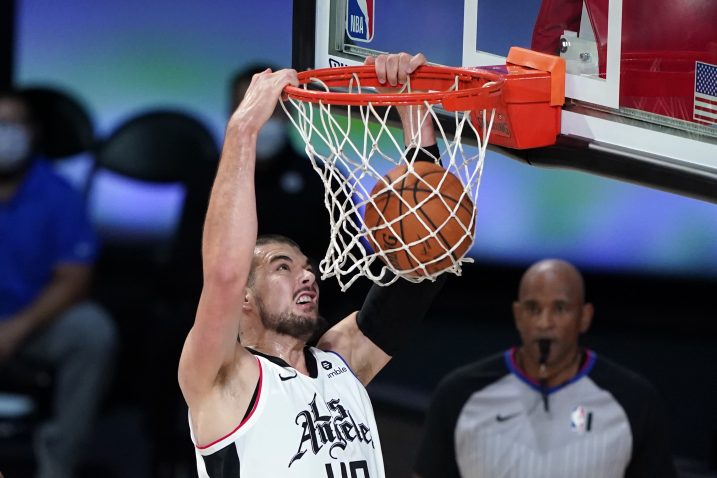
[354, 468]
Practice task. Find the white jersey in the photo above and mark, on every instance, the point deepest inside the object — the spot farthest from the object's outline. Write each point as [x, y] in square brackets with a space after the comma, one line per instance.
[317, 426]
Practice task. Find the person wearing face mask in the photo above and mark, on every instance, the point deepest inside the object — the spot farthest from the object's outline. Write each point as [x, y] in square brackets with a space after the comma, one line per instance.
[286, 183]
[548, 408]
[47, 248]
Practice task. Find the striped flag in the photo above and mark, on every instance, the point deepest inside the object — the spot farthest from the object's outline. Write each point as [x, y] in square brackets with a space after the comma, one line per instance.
[705, 110]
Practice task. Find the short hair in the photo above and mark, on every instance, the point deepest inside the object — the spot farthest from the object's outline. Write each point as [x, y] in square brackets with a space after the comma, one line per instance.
[263, 240]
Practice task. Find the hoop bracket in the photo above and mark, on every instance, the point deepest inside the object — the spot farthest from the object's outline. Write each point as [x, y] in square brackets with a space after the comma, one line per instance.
[528, 115]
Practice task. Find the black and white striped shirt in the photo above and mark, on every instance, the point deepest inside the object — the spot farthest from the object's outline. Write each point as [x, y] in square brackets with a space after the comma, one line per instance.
[488, 420]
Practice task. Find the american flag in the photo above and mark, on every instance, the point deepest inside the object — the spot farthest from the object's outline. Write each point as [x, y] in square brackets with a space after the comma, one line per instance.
[705, 110]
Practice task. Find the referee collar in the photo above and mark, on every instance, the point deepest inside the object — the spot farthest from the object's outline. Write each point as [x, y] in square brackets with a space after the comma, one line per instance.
[586, 366]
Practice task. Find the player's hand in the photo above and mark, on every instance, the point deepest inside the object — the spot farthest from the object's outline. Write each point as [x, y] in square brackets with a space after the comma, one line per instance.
[393, 70]
[262, 96]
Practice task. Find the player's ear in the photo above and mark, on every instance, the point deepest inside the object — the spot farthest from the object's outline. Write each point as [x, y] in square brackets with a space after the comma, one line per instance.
[248, 302]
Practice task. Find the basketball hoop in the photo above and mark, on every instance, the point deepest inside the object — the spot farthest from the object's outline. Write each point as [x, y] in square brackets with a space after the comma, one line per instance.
[344, 126]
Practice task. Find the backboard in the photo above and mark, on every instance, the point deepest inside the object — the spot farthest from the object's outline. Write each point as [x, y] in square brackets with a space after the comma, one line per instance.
[641, 98]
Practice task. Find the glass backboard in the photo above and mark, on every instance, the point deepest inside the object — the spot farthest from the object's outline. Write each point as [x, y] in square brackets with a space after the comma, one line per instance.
[641, 98]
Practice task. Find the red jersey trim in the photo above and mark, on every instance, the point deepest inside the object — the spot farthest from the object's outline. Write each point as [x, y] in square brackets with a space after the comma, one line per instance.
[246, 419]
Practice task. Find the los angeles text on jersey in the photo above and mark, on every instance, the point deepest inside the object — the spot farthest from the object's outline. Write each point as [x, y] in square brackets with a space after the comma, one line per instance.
[336, 430]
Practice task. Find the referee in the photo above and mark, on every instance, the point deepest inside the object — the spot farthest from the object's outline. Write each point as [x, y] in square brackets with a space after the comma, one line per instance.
[549, 408]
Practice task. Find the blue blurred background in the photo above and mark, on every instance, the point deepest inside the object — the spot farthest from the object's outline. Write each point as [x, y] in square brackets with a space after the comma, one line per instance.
[123, 58]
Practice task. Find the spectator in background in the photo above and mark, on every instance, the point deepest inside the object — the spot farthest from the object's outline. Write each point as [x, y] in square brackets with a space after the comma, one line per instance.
[47, 248]
[548, 408]
[286, 183]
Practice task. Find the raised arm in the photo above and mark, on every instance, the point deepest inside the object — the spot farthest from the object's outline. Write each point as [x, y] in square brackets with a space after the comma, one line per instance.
[230, 232]
[369, 338]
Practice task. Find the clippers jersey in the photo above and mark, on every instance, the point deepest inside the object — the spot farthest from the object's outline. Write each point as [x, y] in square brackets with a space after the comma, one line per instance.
[316, 426]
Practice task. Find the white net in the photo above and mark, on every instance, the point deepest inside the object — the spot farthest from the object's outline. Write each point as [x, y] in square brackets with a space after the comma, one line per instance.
[352, 148]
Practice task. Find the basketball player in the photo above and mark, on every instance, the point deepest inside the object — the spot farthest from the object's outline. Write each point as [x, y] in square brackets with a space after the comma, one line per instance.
[548, 408]
[266, 404]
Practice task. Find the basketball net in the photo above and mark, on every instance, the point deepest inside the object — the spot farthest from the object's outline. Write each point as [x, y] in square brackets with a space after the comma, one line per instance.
[346, 154]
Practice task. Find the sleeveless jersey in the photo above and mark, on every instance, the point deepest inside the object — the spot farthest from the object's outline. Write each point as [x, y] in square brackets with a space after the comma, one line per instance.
[316, 426]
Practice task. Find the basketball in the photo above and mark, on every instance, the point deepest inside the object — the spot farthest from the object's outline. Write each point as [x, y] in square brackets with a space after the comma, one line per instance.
[439, 224]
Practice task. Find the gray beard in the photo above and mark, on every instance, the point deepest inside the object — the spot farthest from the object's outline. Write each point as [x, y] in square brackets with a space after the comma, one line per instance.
[287, 323]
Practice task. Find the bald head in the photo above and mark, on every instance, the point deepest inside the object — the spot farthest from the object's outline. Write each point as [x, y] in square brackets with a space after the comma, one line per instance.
[557, 272]
[551, 307]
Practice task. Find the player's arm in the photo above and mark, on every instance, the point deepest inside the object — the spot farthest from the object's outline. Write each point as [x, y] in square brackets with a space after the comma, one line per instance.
[230, 232]
[367, 339]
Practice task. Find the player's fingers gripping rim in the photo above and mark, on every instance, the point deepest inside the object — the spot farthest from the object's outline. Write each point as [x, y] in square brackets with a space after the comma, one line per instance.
[392, 64]
[416, 60]
[394, 69]
[369, 60]
[404, 67]
[379, 63]
[255, 77]
[290, 77]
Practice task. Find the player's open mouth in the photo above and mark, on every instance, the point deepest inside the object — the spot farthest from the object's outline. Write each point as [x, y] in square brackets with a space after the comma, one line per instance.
[306, 298]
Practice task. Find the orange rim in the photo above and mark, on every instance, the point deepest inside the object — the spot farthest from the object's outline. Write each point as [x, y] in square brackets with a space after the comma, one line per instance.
[477, 89]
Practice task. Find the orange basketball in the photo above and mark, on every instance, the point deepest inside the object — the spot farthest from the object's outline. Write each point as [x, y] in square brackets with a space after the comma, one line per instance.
[435, 216]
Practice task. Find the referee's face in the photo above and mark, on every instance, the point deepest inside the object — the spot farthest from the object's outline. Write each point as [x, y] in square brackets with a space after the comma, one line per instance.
[550, 306]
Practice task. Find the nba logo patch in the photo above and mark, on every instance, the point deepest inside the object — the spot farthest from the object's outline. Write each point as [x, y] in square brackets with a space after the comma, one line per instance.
[580, 420]
[360, 20]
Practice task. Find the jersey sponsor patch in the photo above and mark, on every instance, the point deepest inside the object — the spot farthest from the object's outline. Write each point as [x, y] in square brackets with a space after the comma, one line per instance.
[337, 371]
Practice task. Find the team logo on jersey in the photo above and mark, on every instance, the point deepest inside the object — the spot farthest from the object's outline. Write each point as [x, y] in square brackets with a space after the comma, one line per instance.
[360, 20]
[284, 378]
[333, 427]
[581, 420]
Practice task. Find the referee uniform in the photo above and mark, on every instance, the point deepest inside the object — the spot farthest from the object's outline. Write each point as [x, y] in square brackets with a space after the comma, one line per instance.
[489, 419]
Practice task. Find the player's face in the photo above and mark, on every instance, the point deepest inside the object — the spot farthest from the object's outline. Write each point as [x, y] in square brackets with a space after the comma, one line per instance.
[550, 307]
[286, 292]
